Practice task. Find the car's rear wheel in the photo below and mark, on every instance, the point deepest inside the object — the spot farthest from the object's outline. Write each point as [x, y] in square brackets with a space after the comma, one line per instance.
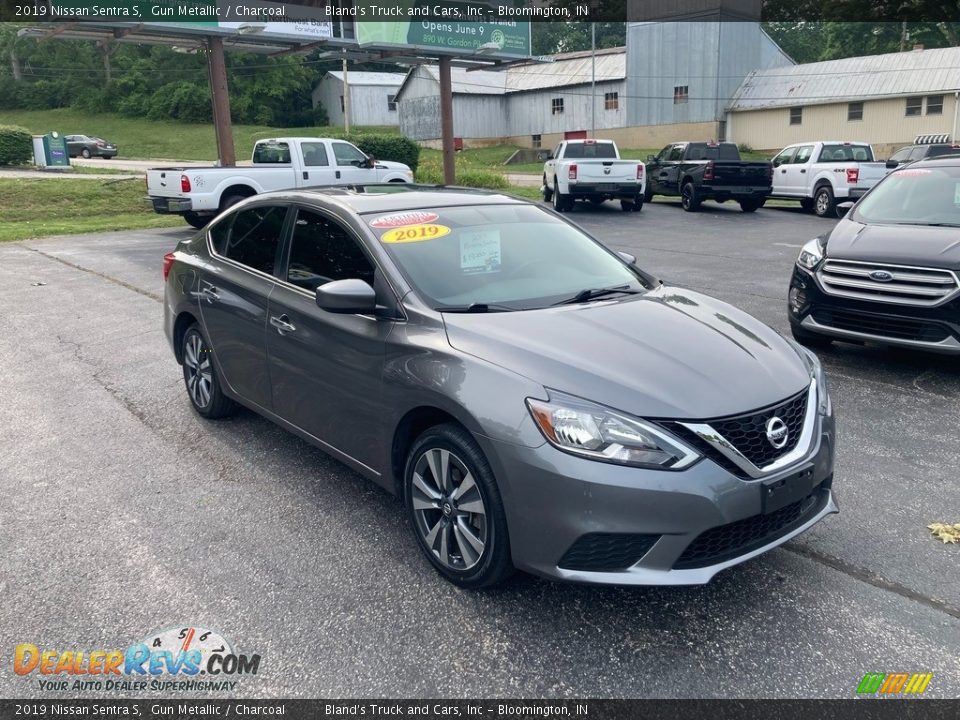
[805, 337]
[547, 192]
[823, 203]
[196, 219]
[561, 202]
[230, 200]
[201, 378]
[688, 198]
[85, 153]
[456, 509]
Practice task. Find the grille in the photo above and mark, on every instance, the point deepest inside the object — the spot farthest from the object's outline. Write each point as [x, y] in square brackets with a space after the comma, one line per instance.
[706, 449]
[881, 325]
[748, 433]
[605, 552]
[906, 285]
[726, 542]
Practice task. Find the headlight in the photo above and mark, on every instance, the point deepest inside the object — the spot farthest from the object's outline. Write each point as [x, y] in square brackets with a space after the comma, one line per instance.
[583, 428]
[810, 254]
[824, 405]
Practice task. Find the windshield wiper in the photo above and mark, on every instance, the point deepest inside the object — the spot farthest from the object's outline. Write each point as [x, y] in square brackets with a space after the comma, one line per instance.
[596, 293]
[475, 307]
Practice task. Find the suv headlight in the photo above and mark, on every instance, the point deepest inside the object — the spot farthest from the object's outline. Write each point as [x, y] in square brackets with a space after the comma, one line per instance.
[584, 428]
[810, 254]
[824, 405]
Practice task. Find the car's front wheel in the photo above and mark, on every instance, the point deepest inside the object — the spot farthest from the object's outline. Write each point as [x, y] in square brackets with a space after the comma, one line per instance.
[201, 378]
[823, 203]
[456, 509]
[547, 192]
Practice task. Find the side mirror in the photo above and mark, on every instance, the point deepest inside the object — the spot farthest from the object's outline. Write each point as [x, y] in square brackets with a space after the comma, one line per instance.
[777, 162]
[550, 156]
[627, 257]
[651, 159]
[347, 297]
[891, 164]
[371, 162]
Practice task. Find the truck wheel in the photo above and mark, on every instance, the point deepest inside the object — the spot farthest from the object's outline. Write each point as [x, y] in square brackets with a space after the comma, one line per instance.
[648, 195]
[547, 192]
[196, 219]
[638, 203]
[749, 205]
[561, 202]
[806, 204]
[688, 198]
[230, 201]
[823, 203]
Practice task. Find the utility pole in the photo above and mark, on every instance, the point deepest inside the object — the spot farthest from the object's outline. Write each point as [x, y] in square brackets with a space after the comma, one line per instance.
[446, 122]
[217, 69]
[593, 79]
[346, 99]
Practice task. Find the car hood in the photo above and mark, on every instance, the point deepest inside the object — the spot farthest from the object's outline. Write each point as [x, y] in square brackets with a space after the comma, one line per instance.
[391, 165]
[672, 353]
[898, 244]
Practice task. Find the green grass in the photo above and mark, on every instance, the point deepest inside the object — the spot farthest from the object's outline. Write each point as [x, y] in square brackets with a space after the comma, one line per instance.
[147, 139]
[34, 208]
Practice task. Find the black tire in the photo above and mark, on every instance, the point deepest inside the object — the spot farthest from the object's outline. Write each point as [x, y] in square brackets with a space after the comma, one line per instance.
[824, 204]
[806, 204]
[196, 219]
[492, 565]
[547, 192]
[201, 377]
[638, 203]
[230, 200]
[749, 205]
[561, 202]
[628, 205]
[648, 194]
[85, 153]
[805, 337]
[688, 198]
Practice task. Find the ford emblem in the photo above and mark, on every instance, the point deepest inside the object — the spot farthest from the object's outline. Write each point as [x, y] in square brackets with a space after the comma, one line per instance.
[881, 276]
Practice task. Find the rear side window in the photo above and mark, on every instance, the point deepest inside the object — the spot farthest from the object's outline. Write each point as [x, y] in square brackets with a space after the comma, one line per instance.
[590, 150]
[314, 154]
[705, 151]
[322, 251]
[271, 154]
[846, 153]
[252, 238]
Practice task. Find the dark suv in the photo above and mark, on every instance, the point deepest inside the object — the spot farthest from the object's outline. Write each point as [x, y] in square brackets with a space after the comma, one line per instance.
[924, 147]
[889, 271]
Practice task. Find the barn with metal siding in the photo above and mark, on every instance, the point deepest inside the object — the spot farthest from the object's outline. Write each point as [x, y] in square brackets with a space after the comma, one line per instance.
[372, 97]
[680, 75]
[526, 104]
[885, 100]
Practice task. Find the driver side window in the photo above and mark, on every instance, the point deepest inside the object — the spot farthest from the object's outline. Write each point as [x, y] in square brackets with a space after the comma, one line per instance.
[347, 154]
[321, 251]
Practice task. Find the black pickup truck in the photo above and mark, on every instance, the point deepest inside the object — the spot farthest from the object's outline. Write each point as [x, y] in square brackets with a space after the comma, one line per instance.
[698, 171]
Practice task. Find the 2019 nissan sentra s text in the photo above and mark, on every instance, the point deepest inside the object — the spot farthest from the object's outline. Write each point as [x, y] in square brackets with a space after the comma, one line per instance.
[889, 271]
[538, 401]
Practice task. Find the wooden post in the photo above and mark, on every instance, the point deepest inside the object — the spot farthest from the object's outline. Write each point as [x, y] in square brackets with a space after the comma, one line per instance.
[217, 70]
[346, 99]
[446, 122]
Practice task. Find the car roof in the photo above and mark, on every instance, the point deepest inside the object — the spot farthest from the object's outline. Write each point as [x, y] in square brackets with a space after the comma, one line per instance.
[370, 201]
[939, 160]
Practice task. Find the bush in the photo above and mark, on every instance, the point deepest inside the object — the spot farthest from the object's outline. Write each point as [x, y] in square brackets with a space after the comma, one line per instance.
[16, 145]
[432, 174]
[183, 101]
[388, 147]
[744, 148]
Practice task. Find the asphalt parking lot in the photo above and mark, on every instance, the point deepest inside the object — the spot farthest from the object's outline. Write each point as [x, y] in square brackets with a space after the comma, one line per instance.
[124, 513]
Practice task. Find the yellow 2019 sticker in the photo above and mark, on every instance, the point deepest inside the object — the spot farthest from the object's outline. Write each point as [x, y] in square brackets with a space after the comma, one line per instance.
[414, 233]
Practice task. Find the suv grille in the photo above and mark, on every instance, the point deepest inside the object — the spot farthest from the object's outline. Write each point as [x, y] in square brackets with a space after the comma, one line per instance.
[606, 552]
[899, 284]
[726, 542]
[881, 325]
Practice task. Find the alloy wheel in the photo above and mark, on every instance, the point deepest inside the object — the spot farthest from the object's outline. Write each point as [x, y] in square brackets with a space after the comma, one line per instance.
[199, 375]
[449, 509]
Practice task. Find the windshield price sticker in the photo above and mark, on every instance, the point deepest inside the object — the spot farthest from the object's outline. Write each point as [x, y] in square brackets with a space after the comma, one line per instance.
[480, 251]
[403, 219]
[414, 233]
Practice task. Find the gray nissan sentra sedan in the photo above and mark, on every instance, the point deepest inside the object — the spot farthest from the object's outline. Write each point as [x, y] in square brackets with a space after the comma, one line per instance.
[537, 400]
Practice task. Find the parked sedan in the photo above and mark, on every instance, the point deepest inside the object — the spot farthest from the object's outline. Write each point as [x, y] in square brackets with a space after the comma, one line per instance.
[537, 400]
[86, 146]
[889, 271]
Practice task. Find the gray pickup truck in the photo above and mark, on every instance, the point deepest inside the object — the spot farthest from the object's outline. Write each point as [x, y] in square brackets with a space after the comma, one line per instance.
[698, 171]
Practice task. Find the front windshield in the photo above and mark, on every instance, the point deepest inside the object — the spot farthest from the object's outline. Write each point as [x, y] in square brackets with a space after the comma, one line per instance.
[914, 196]
[510, 256]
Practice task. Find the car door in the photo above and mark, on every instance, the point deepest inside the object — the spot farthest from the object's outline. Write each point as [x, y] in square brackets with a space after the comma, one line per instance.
[654, 168]
[550, 168]
[233, 292]
[798, 172]
[780, 163]
[317, 168]
[326, 368]
[668, 173]
[350, 164]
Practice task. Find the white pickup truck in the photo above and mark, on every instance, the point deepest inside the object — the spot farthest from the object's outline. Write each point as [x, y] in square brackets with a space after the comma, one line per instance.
[821, 174]
[199, 193]
[592, 170]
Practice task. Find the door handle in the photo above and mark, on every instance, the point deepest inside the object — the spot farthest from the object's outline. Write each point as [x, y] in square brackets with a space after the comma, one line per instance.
[783, 172]
[338, 174]
[209, 293]
[282, 324]
[803, 170]
[306, 175]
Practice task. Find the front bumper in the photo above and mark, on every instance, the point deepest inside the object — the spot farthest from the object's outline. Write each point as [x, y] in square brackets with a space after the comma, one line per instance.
[934, 329]
[107, 152]
[171, 206]
[557, 503]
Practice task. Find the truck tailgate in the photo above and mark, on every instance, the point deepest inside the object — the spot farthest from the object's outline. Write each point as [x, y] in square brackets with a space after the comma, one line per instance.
[740, 174]
[606, 171]
[164, 182]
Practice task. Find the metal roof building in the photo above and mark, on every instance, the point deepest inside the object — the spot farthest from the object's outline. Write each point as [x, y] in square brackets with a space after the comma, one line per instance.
[372, 97]
[883, 99]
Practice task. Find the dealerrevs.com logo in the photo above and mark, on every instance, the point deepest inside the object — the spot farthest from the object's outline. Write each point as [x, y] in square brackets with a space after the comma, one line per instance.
[189, 658]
